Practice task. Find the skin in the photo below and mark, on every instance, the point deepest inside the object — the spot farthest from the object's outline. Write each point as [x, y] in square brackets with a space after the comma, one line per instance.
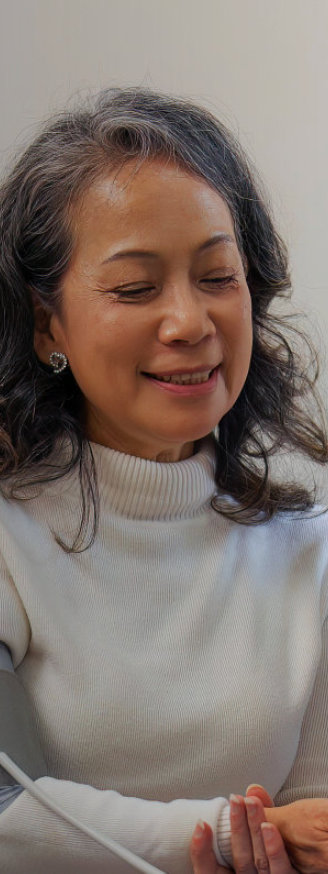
[304, 828]
[294, 834]
[255, 851]
[197, 310]
[275, 860]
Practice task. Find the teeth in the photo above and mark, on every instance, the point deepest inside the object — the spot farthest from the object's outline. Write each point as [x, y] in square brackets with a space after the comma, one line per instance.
[186, 378]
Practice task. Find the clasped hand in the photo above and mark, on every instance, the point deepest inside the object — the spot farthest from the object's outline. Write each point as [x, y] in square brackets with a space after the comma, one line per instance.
[293, 839]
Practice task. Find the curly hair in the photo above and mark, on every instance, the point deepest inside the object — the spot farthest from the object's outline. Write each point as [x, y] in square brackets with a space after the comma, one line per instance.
[37, 202]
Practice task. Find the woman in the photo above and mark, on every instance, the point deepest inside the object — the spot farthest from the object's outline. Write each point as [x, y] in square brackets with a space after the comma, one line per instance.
[177, 653]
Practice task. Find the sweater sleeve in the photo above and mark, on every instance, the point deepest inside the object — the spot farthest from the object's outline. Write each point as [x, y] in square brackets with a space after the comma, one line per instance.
[33, 839]
[308, 777]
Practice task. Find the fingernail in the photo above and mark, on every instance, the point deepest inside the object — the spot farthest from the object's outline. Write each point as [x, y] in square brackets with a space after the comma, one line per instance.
[268, 831]
[199, 830]
[251, 806]
[253, 786]
[236, 808]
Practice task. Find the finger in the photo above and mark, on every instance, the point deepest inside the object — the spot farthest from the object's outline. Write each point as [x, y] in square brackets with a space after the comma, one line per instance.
[241, 843]
[274, 846]
[201, 851]
[260, 792]
[255, 816]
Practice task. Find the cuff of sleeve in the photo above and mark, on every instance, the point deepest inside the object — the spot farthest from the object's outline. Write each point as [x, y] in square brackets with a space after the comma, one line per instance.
[222, 839]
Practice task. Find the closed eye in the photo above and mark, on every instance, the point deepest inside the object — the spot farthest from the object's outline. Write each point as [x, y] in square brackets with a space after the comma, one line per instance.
[220, 280]
[146, 291]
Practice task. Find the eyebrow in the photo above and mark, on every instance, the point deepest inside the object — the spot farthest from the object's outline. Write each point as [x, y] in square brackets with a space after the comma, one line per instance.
[141, 253]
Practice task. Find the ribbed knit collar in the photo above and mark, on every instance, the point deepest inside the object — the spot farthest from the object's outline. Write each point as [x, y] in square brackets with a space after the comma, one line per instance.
[136, 488]
[129, 486]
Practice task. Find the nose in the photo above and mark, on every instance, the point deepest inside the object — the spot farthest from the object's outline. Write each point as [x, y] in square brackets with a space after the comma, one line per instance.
[186, 317]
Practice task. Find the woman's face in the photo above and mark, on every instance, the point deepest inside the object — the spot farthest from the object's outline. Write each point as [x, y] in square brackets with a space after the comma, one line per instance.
[156, 289]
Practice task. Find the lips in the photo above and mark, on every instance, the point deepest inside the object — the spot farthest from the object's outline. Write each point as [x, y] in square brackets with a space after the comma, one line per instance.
[186, 379]
[187, 386]
[202, 368]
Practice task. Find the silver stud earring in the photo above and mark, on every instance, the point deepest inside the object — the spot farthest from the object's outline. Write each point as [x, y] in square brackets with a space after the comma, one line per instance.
[58, 361]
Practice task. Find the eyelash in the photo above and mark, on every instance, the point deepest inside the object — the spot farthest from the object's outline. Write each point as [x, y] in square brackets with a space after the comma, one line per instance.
[146, 291]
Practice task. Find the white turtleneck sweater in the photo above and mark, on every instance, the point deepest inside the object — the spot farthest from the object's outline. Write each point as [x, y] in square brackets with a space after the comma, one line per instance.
[178, 659]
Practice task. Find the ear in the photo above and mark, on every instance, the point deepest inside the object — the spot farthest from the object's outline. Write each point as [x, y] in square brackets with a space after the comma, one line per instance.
[47, 337]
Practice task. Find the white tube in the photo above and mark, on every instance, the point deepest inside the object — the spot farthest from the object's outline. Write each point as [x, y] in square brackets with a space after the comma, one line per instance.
[44, 799]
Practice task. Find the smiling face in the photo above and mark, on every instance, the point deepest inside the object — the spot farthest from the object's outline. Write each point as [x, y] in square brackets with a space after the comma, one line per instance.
[177, 304]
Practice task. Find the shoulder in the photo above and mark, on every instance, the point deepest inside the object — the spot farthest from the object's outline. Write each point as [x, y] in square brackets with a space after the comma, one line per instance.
[294, 547]
[294, 537]
[302, 530]
[297, 530]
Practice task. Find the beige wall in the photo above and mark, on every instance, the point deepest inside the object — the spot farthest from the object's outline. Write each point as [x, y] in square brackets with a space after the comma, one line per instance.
[262, 65]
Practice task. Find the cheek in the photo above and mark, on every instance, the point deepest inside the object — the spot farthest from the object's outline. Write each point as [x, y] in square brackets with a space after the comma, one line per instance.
[246, 322]
[94, 337]
[239, 328]
[238, 345]
[246, 304]
[248, 316]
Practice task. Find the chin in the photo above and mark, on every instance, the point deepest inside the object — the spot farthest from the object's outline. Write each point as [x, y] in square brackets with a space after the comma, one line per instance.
[183, 448]
[195, 434]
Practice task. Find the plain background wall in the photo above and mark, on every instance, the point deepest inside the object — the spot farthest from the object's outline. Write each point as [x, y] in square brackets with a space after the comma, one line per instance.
[261, 65]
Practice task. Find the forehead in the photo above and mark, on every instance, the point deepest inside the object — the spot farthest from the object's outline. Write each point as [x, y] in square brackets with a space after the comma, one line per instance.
[144, 201]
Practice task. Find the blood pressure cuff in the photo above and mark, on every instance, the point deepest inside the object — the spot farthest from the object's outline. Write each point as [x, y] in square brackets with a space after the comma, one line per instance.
[18, 736]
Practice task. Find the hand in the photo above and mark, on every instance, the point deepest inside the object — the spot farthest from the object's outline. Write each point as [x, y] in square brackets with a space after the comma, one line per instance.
[201, 851]
[248, 845]
[256, 816]
[304, 828]
[256, 849]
